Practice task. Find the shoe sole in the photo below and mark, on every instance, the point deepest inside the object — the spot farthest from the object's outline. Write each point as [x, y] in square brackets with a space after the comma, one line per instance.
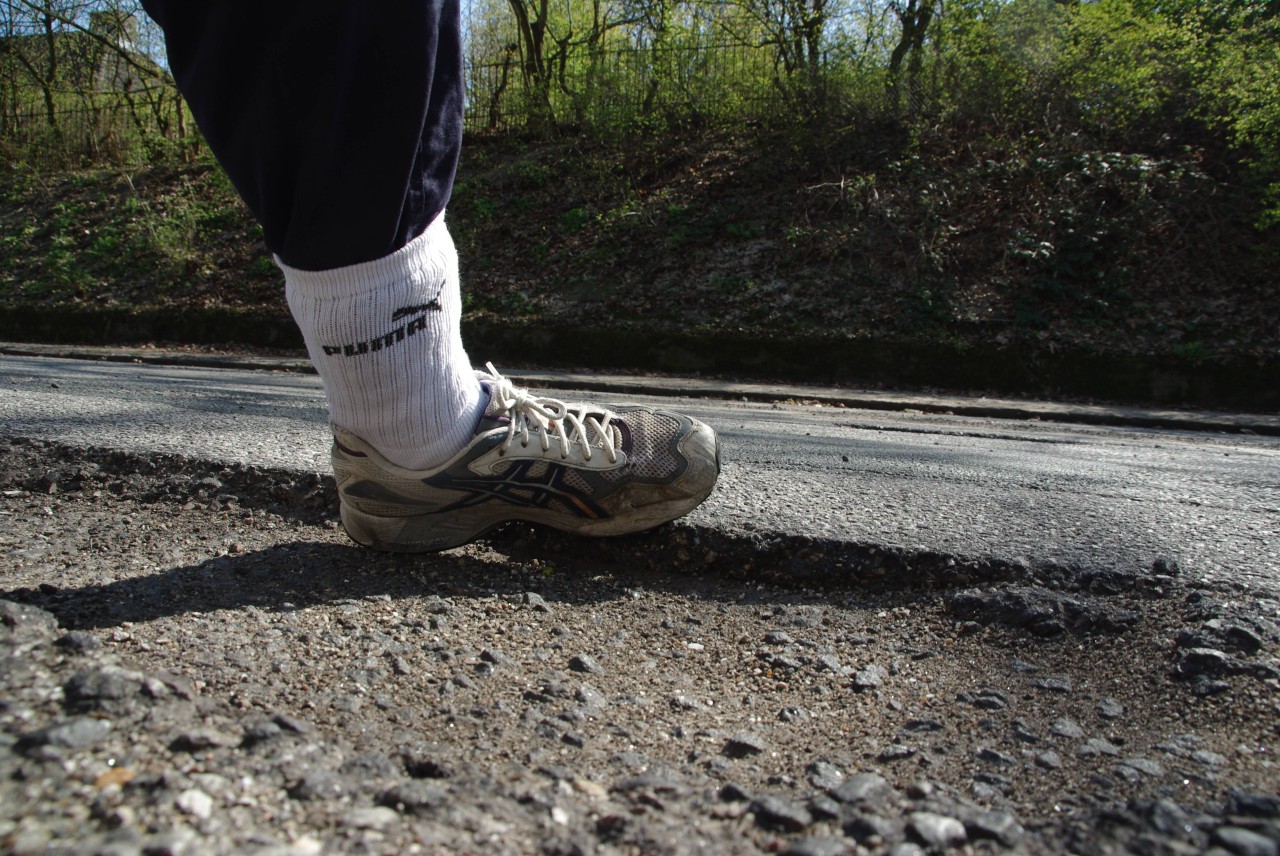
[432, 532]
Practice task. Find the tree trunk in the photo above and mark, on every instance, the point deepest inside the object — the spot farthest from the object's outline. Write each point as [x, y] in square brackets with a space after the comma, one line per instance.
[51, 42]
[914, 18]
[532, 37]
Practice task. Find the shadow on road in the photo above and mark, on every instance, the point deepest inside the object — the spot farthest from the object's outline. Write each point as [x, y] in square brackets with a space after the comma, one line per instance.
[296, 575]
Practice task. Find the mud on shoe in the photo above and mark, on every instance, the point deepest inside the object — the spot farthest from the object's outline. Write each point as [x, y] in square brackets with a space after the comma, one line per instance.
[577, 467]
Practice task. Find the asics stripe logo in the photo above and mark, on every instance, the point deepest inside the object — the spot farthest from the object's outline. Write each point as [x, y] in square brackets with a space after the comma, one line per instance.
[517, 487]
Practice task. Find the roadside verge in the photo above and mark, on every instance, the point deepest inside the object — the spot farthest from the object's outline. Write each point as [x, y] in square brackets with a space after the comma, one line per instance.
[1267, 424]
[1240, 382]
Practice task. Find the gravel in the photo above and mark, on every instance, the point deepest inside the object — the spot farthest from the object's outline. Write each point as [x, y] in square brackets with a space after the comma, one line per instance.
[193, 659]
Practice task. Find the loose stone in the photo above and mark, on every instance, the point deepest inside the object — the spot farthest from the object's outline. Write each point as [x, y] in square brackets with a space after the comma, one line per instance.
[1168, 818]
[936, 831]
[261, 731]
[76, 733]
[995, 781]
[536, 601]
[588, 696]
[897, 752]
[292, 723]
[998, 826]
[1022, 731]
[377, 817]
[585, 663]
[990, 700]
[784, 663]
[1204, 662]
[824, 807]
[920, 790]
[865, 788]
[1144, 765]
[175, 842]
[818, 847]
[1097, 746]
[317, 784]
[1049, 761]
[1254, 804]
[23, 621]
[868, 678]
[106, 688]
[1206, 687]
[744, 744]
[906, 848]
[1244, 842]
[1208, 758]
[829, 663]
[1067, 727]
[79, 642]
[683, 702]
[1109, 708]
[873, 828]
[991, 756]
[1237, 636]
[198, 739]
[196, 803]
[414, 797]
[776, 813]
[922, 726]
[824, 775]
[1053, 685]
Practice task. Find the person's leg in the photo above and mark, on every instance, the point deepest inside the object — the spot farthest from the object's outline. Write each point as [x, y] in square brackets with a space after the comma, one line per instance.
[340, 124]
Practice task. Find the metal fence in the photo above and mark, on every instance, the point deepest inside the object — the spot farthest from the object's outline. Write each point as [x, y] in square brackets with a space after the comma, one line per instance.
[621, 87]
[97, 127]
[616, 89]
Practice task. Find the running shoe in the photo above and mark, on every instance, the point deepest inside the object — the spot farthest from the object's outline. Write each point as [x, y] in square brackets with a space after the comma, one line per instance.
[578, 467]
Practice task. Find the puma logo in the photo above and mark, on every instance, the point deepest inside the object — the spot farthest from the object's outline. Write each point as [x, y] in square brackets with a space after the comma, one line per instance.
[378, 343]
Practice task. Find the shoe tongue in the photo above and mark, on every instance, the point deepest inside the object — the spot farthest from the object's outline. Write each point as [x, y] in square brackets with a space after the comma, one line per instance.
[627, 440]
[497, 416]
[494, 416]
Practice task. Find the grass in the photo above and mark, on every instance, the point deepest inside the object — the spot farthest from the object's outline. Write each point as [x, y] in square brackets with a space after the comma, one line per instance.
[151, 237]
[953, 238]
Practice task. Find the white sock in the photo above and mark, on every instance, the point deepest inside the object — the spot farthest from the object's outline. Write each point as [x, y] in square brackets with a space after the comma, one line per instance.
[384, 336]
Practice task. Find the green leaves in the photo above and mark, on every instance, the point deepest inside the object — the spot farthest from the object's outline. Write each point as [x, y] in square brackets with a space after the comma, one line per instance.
[1242, 96]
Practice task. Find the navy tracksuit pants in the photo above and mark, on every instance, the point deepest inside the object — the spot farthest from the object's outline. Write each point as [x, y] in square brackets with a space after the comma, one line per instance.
[339, 123]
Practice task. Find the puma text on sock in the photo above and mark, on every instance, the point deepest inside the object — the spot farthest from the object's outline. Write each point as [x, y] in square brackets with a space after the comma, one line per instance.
[384, 336]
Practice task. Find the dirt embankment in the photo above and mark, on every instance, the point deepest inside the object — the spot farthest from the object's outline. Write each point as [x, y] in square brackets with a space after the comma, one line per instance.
[864, 255]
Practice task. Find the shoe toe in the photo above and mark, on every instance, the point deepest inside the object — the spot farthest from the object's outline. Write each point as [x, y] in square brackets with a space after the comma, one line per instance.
[701, 449]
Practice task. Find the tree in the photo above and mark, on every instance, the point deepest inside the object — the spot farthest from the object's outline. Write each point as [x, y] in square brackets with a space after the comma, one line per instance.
[34, 47]
[552, 40]
[914, 17]
[81, 60]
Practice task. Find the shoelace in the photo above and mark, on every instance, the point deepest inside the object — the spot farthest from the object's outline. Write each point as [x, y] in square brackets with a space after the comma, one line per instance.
[553, 415]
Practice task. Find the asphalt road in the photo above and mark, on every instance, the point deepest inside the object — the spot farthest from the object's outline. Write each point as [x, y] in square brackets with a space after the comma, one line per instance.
[1084, 495]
